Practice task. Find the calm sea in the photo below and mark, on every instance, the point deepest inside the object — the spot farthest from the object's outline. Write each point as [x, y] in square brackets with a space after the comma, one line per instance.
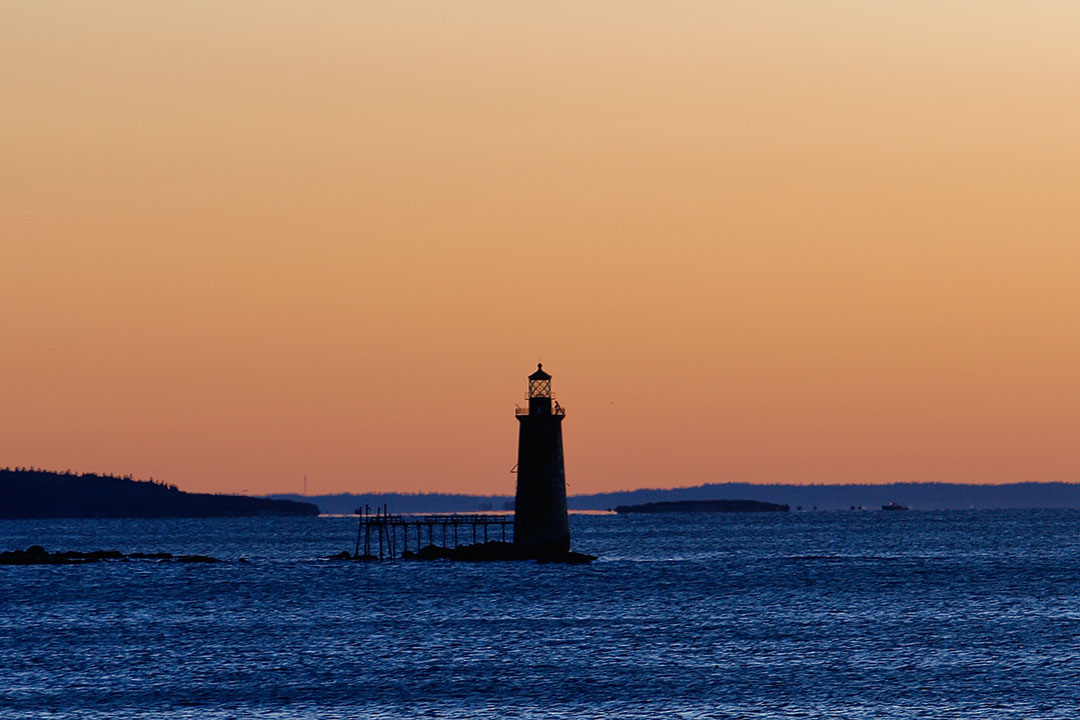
[802, 615]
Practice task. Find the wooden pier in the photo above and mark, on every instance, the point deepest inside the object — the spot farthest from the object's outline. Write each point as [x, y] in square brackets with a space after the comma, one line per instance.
[383, 536]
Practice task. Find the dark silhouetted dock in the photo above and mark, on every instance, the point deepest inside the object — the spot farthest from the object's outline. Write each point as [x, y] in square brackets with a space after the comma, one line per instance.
[383, 536]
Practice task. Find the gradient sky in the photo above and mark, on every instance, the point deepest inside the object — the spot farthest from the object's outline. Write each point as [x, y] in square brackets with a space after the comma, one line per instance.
[787, 241]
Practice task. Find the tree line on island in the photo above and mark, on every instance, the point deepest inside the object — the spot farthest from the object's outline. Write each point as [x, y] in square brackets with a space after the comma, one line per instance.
[847, 496]
[36, 493]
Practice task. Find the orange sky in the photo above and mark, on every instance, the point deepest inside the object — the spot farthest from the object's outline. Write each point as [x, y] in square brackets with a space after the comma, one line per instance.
[786, 241]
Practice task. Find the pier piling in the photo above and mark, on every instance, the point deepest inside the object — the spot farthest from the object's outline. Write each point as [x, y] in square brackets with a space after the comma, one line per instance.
[386, 527]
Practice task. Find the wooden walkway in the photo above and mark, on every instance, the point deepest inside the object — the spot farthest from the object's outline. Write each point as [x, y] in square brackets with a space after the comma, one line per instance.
[391, 535]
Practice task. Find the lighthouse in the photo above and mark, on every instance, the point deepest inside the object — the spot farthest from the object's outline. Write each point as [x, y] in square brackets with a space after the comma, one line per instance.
[541, 523]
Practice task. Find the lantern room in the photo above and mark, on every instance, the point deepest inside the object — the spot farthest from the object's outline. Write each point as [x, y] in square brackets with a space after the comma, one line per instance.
[540, 392]
[539, 383]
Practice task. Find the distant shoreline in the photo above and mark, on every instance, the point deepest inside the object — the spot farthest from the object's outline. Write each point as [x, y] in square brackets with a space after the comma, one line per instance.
[34, 493]
[42, 494]
[702, 506]
[917, 496]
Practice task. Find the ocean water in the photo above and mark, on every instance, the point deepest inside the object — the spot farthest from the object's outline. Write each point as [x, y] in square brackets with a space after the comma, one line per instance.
[801, 615]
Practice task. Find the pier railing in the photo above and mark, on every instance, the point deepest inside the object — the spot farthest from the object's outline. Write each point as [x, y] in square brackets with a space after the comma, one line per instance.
[382, 536]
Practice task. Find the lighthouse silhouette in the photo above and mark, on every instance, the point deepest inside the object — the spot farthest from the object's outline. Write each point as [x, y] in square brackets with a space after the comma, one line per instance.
[541, 523]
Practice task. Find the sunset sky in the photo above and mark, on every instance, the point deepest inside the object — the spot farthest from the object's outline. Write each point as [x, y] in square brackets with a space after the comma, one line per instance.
[789, 241]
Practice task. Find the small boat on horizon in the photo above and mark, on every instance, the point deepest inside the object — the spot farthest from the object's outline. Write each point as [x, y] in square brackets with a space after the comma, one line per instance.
[893, 506]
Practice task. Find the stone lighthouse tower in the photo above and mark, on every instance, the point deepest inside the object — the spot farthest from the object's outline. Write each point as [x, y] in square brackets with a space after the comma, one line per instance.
[541, 524]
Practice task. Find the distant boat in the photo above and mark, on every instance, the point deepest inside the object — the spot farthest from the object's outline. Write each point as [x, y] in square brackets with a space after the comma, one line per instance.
[893, 506]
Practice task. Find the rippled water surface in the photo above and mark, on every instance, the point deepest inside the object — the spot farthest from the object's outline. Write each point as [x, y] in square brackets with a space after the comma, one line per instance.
[801, 615]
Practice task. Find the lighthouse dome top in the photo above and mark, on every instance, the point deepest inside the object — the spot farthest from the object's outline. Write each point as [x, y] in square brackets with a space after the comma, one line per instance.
[539, 374]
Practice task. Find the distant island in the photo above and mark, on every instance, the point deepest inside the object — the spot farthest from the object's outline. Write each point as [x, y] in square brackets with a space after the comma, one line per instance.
[43, 494]
[348, 503]
[702, 506]
[917, 496]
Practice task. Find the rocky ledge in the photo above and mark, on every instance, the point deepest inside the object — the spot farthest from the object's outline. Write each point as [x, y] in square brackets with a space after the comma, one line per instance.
[493, 550]
[37, 555]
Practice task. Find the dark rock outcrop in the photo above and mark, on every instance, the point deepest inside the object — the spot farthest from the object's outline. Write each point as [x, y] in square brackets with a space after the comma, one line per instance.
[492, 551]
[37, 555]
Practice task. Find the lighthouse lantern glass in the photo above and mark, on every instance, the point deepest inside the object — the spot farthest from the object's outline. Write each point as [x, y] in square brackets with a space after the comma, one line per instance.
[540, 388]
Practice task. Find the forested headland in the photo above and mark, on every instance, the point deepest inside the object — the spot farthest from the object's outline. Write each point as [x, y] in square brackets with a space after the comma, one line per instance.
[35, 493]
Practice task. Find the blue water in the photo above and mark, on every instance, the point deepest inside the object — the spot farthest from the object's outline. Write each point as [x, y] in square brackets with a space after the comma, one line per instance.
[802, 615]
